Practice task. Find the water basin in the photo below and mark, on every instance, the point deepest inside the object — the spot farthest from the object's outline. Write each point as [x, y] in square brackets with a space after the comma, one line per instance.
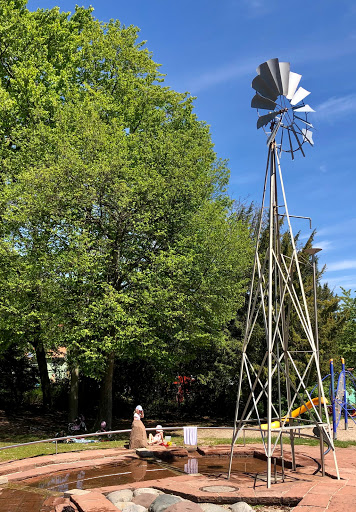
[217, 465]
[122, 472]
[135, 470]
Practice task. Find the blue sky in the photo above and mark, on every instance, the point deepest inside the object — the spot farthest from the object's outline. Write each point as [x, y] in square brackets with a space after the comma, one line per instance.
[212, 48]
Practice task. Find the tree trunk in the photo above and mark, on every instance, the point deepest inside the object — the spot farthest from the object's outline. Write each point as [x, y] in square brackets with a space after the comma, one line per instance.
[73, 392]
[105, 405]
[43, 371]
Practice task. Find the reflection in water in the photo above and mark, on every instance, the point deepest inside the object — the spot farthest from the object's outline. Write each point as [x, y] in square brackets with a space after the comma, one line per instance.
[138, 470]
[111, 474]
[135, 470]
[80, 479]
[217, 465]
[59, 481]
[191, 467]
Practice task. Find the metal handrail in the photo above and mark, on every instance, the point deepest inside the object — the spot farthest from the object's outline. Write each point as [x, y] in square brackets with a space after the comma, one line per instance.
[111, 432]
[80, 436]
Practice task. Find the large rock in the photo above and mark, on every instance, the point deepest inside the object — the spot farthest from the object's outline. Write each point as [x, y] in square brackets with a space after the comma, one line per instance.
[138, 436]
[210, 507]
[120, 504]
[132, 507]
[120, 496]
[241, 506]
[145, 499]
[163, 501]
[146, 490]
[145, 453]
[184, 506]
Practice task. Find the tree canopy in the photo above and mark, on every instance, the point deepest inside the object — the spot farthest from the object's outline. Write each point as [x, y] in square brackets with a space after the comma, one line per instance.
[122, 239]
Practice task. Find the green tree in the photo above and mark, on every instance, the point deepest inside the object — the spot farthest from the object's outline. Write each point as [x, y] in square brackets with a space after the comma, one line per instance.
[117, 178]
[347, 337]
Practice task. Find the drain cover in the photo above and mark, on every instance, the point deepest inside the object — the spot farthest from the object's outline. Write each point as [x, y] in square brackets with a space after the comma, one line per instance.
[219, 488]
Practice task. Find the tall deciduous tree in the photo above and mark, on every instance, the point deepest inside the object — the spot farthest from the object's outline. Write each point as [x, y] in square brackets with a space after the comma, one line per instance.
[118, 180]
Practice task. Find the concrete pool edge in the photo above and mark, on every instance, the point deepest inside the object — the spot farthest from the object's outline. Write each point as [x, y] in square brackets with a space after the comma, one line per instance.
[314, 493]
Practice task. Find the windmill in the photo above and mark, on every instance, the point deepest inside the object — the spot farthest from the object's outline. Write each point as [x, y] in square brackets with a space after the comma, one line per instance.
[279, 399]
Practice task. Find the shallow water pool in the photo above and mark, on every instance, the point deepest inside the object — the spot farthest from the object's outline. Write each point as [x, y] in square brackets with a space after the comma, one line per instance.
[136, 470]
[119, 473]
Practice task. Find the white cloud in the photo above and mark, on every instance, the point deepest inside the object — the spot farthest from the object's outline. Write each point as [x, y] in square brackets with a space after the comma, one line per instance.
[223, 74]
[341, 265]
[325, 245]
[340, 228]
[316, 52]
[336, 107]
[347, 282]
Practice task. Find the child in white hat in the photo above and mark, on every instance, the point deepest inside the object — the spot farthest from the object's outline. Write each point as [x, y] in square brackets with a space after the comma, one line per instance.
[158, 437]
[138, 414]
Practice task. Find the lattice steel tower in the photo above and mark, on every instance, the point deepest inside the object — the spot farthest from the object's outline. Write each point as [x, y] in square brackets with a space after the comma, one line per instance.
[279, 400]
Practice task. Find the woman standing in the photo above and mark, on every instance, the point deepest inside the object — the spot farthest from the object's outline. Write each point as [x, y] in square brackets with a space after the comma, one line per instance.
[138, 436]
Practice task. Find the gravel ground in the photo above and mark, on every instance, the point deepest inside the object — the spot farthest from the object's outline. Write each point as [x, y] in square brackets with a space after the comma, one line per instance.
[342, 434]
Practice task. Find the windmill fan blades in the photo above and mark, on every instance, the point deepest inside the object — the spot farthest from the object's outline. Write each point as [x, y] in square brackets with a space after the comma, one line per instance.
[264, 70]
[308, 136]
[275, 71]
[299, 96]
[284, 69]
[305, 108]
[263, 120]
[263, 88]
[294, 80]
[259, 101]
[278, 93]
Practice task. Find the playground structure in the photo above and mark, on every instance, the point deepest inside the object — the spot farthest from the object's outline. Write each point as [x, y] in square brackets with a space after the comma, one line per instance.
[277, 291]
[294, 414]
[342, 397]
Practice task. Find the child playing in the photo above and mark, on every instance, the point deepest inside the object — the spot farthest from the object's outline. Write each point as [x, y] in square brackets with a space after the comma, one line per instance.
[158, 437]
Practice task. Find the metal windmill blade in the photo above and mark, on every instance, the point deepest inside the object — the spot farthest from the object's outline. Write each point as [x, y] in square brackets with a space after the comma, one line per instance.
[278, 91]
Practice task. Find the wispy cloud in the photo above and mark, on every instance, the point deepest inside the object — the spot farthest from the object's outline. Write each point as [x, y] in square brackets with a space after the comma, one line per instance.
[222, 74]
[341, 265]
[348, 282]
[325, 245]
[336, 107]
[340, 228]
[302, 54]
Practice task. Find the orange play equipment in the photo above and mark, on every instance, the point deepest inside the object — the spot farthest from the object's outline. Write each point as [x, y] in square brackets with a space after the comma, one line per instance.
[295, 413]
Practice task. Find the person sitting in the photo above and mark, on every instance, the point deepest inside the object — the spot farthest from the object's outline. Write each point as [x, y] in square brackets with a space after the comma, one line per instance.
[158, 437]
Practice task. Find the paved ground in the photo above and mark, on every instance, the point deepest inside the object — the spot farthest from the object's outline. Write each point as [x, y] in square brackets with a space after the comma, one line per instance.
[303, 489]
[211, 433]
